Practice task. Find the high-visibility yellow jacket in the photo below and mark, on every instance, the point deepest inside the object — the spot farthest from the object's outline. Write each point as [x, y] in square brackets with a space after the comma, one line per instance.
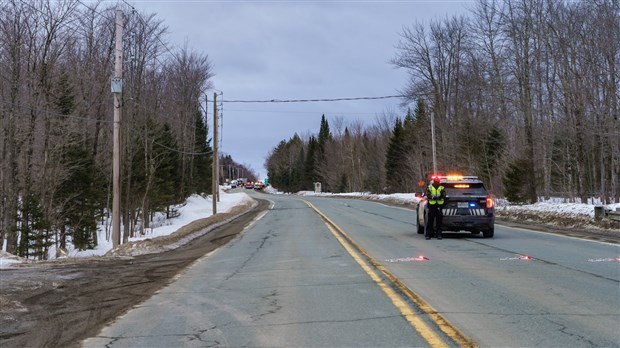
[439, 193]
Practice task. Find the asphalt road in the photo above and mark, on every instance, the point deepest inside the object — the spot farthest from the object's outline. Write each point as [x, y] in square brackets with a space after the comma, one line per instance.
[293, 280]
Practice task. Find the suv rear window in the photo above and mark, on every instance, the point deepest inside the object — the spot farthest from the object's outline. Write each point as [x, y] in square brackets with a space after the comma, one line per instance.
[465, 189]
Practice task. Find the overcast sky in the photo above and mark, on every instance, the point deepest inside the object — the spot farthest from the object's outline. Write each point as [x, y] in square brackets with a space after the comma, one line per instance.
[265, 50]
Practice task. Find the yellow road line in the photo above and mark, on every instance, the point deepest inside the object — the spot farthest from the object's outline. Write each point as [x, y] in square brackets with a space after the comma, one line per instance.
[416, 322]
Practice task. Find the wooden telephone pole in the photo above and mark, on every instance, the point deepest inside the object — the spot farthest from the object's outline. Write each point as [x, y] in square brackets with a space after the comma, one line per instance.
[215, 183]
[117, 88]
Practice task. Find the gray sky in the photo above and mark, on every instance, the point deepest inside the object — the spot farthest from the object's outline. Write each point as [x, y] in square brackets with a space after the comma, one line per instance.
[264, 50]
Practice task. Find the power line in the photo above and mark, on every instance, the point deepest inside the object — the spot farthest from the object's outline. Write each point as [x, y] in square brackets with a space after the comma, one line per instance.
[92, 9]
[303, 112]
[313, 100]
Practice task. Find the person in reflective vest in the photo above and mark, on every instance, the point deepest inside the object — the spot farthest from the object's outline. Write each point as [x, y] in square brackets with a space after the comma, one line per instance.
[436, 196]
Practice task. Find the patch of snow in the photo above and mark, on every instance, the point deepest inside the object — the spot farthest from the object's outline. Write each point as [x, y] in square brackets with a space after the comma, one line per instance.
[195, 207]
[6, 260]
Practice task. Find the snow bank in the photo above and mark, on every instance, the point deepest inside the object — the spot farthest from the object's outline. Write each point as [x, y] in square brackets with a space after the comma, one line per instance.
[195, 207]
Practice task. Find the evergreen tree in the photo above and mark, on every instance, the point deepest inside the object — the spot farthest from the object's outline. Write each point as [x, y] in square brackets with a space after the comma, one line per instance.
[166, 182]
[202, 163]
[515, 182]
[342, 186]
[493, 147]
[409, 134]
[275, 170]
[34, 228]
[294, 162]
[309, 165]
[80, 196]
[394, 158]
[324, 135]
[65, 96]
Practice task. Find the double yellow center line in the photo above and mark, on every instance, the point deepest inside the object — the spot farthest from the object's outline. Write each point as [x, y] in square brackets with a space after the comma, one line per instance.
[399, 301]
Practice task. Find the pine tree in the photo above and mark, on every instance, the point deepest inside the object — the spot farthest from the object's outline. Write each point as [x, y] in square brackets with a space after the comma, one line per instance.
[515, 182]
[166, 182]
[297, 176]
[309, 165]
[325, 137]
[493, 147]
[202, 164]
[80, 196]
[34, 228]
[275, 167]
[65, 100]
[394, 156]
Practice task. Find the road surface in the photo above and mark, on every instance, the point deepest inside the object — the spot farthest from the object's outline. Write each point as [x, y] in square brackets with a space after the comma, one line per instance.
[321, 272]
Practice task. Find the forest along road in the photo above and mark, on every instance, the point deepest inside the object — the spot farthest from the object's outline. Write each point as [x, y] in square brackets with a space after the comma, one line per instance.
[335, 272]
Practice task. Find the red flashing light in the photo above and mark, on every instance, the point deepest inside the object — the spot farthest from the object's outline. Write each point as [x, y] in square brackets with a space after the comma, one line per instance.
[490, 203]
[525, 257]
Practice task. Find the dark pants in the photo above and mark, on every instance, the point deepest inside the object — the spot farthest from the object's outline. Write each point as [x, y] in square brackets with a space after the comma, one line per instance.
[434, 218]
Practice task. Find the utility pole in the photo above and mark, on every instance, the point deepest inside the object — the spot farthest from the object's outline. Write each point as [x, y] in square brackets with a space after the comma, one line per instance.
[117, 88]
[433, 142]
[215, 164]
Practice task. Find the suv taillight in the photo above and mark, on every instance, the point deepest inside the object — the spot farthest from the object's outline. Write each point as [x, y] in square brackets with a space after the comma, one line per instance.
[489, 202]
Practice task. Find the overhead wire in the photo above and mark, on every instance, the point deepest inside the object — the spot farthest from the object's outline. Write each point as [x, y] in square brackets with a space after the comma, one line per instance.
[314, 100]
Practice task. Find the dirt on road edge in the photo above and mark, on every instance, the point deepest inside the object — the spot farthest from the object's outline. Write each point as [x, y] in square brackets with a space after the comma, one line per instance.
[60, 303]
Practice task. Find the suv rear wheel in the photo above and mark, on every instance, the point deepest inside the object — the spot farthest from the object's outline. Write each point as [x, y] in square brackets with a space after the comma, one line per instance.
[489, 233]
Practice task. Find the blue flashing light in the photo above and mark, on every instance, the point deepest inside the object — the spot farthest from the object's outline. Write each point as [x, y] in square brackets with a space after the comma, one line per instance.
[472, 204]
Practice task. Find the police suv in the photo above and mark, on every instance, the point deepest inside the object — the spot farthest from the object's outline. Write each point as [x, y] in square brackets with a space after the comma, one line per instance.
[468, 207]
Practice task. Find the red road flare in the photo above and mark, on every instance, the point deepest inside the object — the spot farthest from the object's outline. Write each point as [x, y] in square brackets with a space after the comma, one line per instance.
[407, 259]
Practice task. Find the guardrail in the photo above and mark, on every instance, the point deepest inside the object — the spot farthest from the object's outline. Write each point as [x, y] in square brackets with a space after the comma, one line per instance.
[600, 212]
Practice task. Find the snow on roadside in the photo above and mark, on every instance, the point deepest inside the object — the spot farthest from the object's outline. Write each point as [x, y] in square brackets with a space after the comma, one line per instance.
[196, 207]
[566, 209]
[7, 259]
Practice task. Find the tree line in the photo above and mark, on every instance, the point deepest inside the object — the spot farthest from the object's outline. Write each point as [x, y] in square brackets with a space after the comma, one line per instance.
[523, 93]
[56, 62]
